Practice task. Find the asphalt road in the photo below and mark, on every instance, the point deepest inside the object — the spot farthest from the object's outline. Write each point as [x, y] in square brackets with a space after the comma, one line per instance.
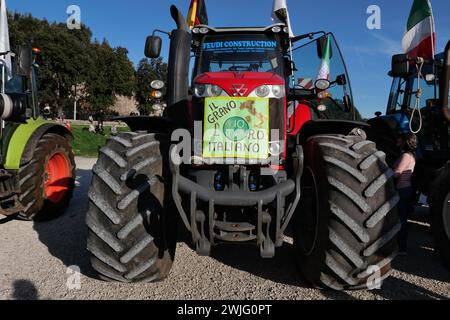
[34, 261]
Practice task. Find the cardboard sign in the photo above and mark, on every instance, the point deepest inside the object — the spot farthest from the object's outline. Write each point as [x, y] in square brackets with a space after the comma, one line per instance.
[236, 128]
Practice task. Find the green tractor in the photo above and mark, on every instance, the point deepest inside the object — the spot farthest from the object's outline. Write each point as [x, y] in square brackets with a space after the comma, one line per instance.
[37, 167]
[432, 173]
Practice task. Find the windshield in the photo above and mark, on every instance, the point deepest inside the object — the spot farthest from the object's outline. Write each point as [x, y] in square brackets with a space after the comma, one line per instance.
[232, 52]
[403, 95]
[14, 85]
[311, 66]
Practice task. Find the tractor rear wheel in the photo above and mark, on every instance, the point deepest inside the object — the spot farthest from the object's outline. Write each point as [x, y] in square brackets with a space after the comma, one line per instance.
[439, 202]
[47, 182]
[346, 225]
[132, 236]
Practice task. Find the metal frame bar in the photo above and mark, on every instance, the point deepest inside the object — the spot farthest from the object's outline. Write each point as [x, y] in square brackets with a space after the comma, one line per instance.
[240, 198]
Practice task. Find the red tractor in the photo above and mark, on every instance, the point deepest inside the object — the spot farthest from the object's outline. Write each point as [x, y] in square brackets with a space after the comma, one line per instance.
[241, 154]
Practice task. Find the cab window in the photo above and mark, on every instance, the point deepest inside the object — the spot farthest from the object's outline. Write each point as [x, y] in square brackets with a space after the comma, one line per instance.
[310, 66]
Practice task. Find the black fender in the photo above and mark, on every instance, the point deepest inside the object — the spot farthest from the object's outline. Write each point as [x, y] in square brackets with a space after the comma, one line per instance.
[317, 127]
[54, 128]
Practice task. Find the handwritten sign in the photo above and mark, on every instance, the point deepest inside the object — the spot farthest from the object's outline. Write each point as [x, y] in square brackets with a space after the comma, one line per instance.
[236, 128]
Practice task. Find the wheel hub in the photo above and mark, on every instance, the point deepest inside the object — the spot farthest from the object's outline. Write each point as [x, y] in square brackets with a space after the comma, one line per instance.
[57, 178]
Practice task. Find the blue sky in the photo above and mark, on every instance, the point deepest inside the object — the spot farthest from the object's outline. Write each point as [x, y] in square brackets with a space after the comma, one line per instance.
[367, 52]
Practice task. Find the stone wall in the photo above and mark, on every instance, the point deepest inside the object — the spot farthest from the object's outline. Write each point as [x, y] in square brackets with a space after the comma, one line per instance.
[124, 106]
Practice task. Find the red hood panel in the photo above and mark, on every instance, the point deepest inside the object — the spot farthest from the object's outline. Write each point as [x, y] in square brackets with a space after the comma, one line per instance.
[229, 80]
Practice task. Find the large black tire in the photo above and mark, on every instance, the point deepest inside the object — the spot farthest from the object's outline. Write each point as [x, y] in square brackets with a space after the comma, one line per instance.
[440, 212]
[131, 237]
[347, 222]
[32, 178]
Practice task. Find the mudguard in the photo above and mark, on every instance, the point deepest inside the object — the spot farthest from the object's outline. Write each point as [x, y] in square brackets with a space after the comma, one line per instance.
[317, 127]
[397, 121]
[24, 138]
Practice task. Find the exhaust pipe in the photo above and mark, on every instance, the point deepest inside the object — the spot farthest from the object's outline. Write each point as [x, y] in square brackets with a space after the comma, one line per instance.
[178, 72]
[179, 19]
[445, 83]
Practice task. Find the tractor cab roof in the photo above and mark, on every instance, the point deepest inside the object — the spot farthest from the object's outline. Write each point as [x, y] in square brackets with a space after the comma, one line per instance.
[278, 28]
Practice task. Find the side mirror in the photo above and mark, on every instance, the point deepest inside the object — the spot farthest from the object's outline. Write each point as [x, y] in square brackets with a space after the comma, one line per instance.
[24, 61]
[153, 47]
[400, 66]
[341, 80]
[378, 114]
[321, 47]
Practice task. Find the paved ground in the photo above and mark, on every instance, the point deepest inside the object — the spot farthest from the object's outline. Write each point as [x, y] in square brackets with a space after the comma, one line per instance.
[34, 260]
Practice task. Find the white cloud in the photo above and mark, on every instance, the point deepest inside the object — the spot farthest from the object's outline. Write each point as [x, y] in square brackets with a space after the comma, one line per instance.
[380, 44]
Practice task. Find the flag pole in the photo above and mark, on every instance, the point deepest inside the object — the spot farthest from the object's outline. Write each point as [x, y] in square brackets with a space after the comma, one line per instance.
[3, 77]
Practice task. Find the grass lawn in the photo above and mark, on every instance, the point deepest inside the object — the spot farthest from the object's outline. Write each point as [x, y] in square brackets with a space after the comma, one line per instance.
[87, 144]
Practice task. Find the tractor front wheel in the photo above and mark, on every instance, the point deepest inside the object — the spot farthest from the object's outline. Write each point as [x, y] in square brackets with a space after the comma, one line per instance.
[132, 236]
[47, 182]
[439, 202]
[346, 225]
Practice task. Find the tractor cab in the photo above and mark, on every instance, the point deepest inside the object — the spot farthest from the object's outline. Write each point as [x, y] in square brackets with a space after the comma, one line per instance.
[20, 91]
[405, 99]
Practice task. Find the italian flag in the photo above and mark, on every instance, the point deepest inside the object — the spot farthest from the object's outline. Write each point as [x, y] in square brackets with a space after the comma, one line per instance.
[420, 37]
[324, 71]
[197, 13]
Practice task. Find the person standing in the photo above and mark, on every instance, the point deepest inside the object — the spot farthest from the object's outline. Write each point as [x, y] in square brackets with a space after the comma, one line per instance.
[100, 120]
[404, 169]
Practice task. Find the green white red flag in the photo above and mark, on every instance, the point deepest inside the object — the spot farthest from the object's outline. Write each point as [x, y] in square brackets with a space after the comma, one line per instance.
[324, 71]
[420, 37]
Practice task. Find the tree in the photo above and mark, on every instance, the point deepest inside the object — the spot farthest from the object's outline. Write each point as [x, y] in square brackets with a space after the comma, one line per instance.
[70, 60]
[147, 71]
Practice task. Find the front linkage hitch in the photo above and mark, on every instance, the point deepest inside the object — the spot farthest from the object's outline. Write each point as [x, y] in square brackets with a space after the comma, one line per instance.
[197, 222]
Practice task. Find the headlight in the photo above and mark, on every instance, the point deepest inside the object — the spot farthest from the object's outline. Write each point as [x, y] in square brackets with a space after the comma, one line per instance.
[199, 90]
[269, 91]
[215, 91]
[208, 90]
[278, 91]
[276, 29]
[157, 94]
[157, 84]
[262, 91]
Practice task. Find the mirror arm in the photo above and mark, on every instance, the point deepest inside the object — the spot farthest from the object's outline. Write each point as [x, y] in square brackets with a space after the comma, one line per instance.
[307, 35]
[161, 31]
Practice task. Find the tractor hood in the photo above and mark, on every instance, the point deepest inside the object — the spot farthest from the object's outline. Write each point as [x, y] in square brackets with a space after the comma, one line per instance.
[239, 83]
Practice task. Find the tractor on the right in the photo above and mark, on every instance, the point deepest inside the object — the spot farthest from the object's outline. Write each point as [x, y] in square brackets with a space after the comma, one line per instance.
[418, 102]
